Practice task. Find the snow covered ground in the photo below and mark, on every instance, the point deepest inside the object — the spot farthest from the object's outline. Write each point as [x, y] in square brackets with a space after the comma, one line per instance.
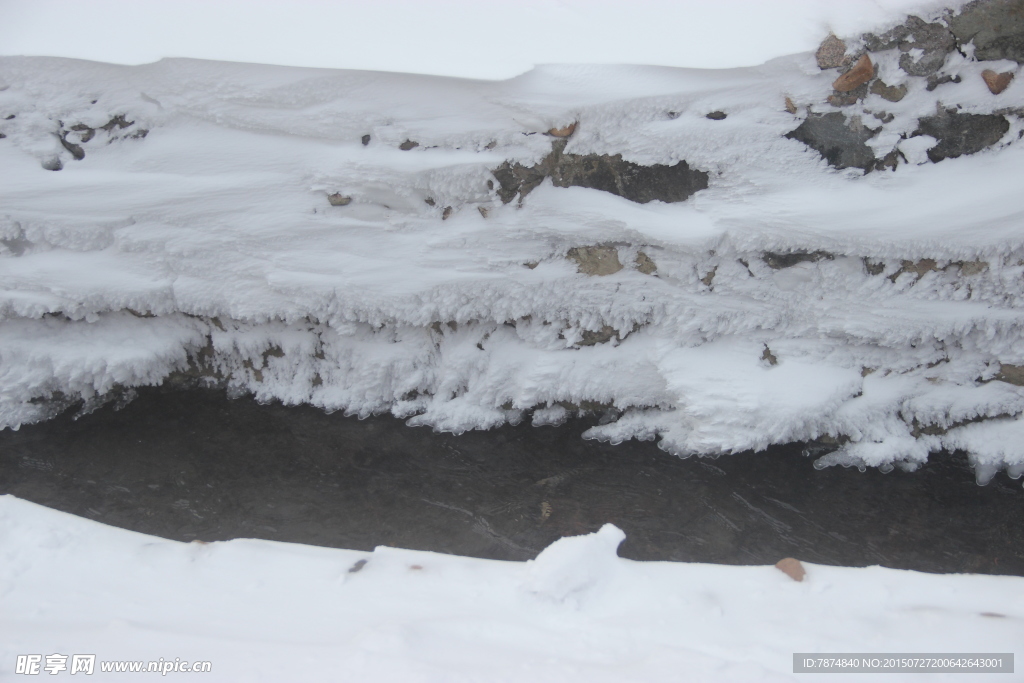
[191, 227]
[265, 611]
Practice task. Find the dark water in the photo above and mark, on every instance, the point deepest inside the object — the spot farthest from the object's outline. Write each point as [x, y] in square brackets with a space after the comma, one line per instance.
[195, 465]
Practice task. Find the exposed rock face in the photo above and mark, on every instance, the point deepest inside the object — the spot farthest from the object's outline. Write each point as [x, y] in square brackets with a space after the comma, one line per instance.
[960, 134]
[604, 172]
[996, 27]
[996, 83]
[1011, 374]
[893, 93]
[839, 141]
[601, 259]
[831, 54]
[934, 39]
[861, 72]
[644, 264]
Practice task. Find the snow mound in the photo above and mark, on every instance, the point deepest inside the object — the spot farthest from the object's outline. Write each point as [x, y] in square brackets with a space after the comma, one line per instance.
[572, 565]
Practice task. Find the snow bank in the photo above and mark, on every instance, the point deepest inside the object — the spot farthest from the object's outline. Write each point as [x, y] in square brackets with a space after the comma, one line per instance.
[266, 611]
[190, 237]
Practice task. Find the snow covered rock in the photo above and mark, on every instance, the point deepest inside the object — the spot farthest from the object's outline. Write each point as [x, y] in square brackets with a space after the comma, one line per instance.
[572, 565]
[847, 276]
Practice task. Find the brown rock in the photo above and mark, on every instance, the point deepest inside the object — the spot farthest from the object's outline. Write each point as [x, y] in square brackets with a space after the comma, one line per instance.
[1011, 374]
[446, 213]
[644, 264]
[831, 53]
[563, 132]
[791, 568]
[893, 93]
[996, 83]
[338, 199]
[790, 106]
[597, 260]
[861, 72]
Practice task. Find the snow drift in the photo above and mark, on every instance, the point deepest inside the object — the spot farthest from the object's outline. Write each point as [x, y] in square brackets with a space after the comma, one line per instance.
[266, 611]
[469, 253]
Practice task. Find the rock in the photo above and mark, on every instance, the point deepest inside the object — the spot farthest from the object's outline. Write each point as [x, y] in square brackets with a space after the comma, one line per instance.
[446, 214]
[640, 184]
[601, 259]
[563, 132]
[840, 142]
[791, 568]
[118, 121]
[935, 40]
[996, 27]
[338, 199]
[604, 172]
[429, 201]
[716, 115]
[935, 80]
[831, 53]
[844, 99]
[76, 150]
[2, 136]
[602, 336]
[1011, 374]
[366, 140]
[893, 93]
[790, 106]
[996, 83]
[483, 211]
[859, 74]
[407, 145]
[968, 268]
[85, 132]
[779, 261]
[53, 164]
[960, 134]
[768, 357]
[926, 64]
[644, 264]
[885, 41]
[709, 277]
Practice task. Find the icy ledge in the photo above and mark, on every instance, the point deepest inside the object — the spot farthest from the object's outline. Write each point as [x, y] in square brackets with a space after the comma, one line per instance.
[266, 611]
[659, 246]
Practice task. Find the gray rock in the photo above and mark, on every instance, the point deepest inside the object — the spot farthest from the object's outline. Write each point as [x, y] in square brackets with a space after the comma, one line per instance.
[366, 140]
[960, 134]
[996, 27]
[839, 141]
[935, 80]
[76, 150]
[893, 93]
[408, 144]
[631, 181]
[716, 115]
[338, 199]
[831, 53]
[885, 41]
[779, 261]
[53, 164]
[603, 172]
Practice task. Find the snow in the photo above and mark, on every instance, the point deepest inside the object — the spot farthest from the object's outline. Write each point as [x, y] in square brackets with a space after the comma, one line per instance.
[488, 40]
[267, 611]
[216, 222]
